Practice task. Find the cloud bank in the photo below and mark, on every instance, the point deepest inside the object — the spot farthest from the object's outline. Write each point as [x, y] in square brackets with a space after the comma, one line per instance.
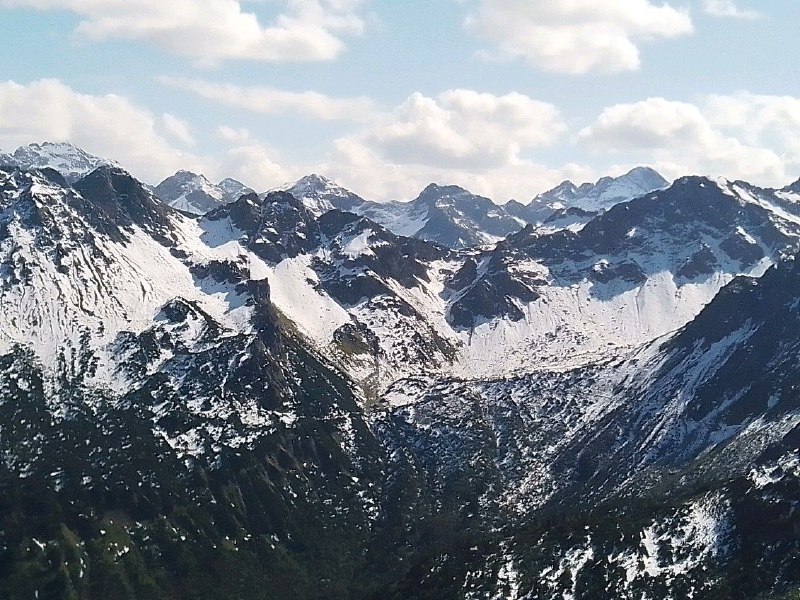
[214, 31]
[576, 36]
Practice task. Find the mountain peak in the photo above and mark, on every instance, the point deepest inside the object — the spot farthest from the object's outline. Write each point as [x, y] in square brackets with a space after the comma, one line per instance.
[193, 193]
[234, 189]
[55, 147]
[644, 170]
[66, 158]
[186, 174]
[117, 198]
[438, 195]
[446, 189]
[315, 179]
[793, 187]
[320, 194]
[313, 184]
[645, 174]
[604, 193]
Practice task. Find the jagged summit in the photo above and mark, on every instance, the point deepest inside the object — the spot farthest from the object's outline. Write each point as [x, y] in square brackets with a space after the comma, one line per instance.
[69, 160]
[569, 206]
[124, 201]
[793, 187]
[234, 189]
[315, 181]
[604, 193]
[457, 218]
[193, 193]
[436, 191]
[321, 194]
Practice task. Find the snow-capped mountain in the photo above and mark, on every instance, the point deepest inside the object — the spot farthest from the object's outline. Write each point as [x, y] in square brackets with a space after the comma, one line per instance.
[456, 218]
[194, 194]
[233, 189]
[320, 194]
[639, 271]
[134, 357]
[448, 215]
[680, 454]
[606, 192]
[72, 162]
[793, 188]
[581, 202]
[268, 401]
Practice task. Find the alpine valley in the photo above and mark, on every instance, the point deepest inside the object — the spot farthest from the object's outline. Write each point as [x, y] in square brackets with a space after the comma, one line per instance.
[208, 392]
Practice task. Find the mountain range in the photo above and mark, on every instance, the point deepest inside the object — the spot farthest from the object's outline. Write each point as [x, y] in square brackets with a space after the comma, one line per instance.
[304, 394]
[447, 215]
[70, 161]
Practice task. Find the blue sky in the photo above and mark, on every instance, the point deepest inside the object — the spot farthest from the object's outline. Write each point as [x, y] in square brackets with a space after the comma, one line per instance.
[505, 97]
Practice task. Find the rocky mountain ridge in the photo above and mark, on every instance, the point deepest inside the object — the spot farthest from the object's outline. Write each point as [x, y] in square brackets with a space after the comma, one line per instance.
[269, 402]
[194, 194]
[447, 215]
[69, 160]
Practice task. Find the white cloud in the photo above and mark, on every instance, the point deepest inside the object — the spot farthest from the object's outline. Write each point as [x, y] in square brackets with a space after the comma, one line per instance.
[465, 129]
[213, 31]
[114, 127]
[741, 136]
[271, 101]
[249, 160]
[254, 165]
[576, 36]
[109, 126]
[772, 121]
[178, 129]
[477, 140]
[727, 8]
[368, 173]
[233, 135]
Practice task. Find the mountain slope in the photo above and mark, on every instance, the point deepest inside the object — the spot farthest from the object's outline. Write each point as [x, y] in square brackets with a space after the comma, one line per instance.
[267, 403]
[642, 269]
[653, 475]
[639, 271]
[198, 429]
[357, 292]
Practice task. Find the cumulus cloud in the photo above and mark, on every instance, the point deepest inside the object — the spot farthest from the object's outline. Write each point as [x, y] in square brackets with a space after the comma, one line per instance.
[727, 8]
[465, 129]
[108, 125]
[213, 31]
[254, 164]
[251, 161]
[772, 121]
[740, 136]
[368, 161]
[369, 173]
[266, 100]
[476, 140]
[576, 36]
